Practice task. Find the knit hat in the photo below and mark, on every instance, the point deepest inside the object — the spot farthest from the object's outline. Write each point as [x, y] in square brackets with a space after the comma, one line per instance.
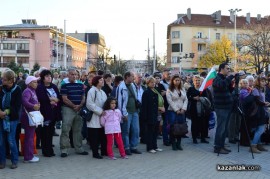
[29, 79]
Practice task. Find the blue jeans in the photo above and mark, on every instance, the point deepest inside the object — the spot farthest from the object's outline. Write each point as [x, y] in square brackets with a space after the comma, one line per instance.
[257, 136]
[131, 126]
[11, 141]
[173, 117]
[223, 117]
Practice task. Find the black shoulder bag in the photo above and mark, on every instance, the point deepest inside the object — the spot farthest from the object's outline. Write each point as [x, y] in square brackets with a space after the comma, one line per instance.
[85, 113]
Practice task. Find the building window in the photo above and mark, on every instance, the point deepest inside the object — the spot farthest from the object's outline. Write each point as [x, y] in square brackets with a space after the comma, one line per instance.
[177, 47]
[200, 47]
[22, 46]
[217, 36]
[174, 59]
[9, 46]
[175, 34]
[199, 35]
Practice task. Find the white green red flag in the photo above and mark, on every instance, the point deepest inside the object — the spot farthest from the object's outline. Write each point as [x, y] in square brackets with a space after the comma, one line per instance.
[208, 80]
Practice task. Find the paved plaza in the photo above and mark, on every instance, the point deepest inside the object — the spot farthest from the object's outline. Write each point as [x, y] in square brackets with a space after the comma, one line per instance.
[195, 161]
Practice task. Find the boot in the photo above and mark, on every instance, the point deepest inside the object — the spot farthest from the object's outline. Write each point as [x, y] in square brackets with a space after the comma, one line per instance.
[254, 149]
[174, 145]
[178, 144]
[261, 148]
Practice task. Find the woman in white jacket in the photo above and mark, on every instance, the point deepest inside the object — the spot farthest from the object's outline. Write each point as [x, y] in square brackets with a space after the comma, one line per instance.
[95, 101]
[177, 100]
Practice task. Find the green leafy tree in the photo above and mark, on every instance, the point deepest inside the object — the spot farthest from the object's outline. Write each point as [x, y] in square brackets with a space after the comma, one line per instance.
[13, 66]
[217, 53]
[118, 67]
[35, 68]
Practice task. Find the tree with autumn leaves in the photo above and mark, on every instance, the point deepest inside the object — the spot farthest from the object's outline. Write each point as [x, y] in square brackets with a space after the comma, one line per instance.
[216, 53]
[255, 45]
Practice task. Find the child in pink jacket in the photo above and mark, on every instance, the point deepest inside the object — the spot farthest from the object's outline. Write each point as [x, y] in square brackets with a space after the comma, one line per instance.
[111, 121]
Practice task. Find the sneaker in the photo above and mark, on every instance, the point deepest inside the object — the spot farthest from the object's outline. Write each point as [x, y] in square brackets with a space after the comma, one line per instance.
[112, 158]
[63, 155]
[124, 157]
[135, 151]
[158, 150]
[83, 153]
[34, 160]
[13, 166]
[152, 151]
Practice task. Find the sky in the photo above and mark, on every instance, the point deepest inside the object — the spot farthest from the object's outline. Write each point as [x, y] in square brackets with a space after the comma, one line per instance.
[126, 25]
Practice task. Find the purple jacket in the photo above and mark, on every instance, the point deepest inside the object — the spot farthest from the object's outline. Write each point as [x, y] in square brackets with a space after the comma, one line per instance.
[111, 121]
[29, 99]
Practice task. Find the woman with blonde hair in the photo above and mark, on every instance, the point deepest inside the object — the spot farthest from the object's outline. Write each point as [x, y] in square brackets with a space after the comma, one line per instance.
[10, 105]
[152, 105]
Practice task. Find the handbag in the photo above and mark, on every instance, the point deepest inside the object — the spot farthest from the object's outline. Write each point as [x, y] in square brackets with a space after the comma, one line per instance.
[35, 118]
[180, 129]
[85, 113]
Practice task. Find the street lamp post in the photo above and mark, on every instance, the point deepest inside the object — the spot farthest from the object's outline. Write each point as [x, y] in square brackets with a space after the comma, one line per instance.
[234, 11]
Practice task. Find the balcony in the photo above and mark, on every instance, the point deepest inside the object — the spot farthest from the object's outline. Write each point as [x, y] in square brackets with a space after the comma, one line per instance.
[22, 51]
[203, 40]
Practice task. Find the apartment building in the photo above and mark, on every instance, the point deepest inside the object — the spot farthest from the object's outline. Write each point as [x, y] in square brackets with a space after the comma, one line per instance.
[96, 46]
[29, 43]
[190, 34]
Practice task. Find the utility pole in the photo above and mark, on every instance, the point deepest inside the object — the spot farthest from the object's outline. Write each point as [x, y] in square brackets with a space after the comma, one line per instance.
[154, 49]
[65, 46]
[57, 49]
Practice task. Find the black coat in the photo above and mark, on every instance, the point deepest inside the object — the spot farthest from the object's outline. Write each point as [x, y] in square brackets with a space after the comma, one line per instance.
[192, 92]
[149, 109]
[15, 103]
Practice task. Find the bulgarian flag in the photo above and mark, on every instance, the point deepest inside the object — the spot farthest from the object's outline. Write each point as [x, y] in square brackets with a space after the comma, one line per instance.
[209, 79]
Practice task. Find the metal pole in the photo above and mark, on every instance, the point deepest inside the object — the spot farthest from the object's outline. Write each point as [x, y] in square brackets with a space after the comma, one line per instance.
[65, 46]
[154, 49]
[235, 58]
[57, 49]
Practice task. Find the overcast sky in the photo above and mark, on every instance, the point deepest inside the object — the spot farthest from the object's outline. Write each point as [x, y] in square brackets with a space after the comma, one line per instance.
[126, 25]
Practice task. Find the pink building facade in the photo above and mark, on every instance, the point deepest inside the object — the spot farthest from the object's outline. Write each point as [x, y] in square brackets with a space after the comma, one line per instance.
[28, 44]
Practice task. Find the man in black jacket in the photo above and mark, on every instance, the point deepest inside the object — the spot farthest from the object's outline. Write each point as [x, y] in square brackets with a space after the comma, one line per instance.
[223, 102]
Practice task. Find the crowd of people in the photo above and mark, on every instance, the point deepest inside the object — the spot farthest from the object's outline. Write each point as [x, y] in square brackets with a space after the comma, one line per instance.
[127, 110]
